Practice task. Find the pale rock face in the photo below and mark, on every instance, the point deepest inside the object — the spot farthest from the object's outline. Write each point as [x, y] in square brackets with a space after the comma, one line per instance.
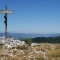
[34, 44]
[22, 51]
[3, 41]
[1, 58]
[11, 55]
[10, 42]
[9, 46]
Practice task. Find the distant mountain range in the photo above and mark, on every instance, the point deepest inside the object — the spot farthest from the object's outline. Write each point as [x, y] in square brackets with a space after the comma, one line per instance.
[24, 35]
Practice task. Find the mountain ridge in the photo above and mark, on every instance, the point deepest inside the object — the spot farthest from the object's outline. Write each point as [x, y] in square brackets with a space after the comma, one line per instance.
[26, 35]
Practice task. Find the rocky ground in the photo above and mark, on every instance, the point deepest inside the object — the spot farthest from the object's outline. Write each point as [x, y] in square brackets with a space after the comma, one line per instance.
[41, 51]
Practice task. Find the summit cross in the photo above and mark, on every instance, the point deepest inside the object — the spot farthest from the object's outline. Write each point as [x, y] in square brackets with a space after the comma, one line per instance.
[5, 12]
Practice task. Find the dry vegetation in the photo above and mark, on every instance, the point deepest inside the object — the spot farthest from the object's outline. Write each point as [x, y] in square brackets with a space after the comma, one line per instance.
[44, 51]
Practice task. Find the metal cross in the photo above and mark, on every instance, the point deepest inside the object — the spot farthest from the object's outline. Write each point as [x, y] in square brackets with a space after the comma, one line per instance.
[5, 12]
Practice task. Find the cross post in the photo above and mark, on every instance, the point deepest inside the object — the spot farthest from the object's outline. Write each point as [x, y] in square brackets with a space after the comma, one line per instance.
[5, 21]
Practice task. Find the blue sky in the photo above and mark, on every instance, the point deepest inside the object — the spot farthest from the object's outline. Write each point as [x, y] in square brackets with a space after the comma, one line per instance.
[32, 16]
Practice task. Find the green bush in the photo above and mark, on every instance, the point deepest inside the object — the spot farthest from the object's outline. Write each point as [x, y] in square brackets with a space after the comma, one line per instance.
[28, 41]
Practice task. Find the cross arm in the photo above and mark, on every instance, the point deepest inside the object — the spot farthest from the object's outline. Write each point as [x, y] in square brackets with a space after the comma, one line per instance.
[6, 11]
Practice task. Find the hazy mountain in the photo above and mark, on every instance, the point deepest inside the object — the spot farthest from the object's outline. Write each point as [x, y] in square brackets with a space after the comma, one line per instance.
[24, 35]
